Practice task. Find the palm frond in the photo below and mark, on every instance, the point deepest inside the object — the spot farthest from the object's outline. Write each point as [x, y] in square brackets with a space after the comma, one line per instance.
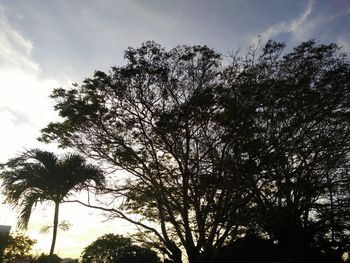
[47, 159]
[79, 174]
[26, 210]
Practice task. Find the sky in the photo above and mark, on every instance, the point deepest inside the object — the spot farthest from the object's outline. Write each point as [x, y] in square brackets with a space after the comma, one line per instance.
[46, 44]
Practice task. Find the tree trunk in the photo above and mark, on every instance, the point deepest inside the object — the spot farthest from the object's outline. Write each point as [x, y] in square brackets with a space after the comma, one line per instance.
[55, 226]
[176, 256]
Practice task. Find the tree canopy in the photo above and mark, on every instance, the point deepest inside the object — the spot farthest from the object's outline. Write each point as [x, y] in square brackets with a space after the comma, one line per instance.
[214, 151]
[112, 248]
[17, 246]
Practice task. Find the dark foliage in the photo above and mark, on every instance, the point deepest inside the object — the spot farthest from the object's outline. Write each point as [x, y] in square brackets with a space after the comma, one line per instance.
[297, 120]
[214, 152]
[15, 246]
[112, 248]
[47, 259]
[253, 249]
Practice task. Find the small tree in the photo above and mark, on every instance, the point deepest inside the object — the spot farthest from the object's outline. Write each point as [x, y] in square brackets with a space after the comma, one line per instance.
[18, 246]
[112, 248]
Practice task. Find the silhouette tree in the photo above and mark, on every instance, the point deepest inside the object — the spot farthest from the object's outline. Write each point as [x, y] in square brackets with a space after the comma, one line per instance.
[18, 246]
[112, 248]
[213, 151]
[297, 119]
[155, 119]
[37, 176]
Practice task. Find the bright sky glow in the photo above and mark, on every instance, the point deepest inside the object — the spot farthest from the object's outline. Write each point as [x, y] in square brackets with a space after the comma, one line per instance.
[48, 44]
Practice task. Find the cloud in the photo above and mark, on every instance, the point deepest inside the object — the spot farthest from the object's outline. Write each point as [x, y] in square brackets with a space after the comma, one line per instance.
[291, 26]
[24, 104]
[317, 26]
[344, 43]
[15, 49]
[324, 23]
[14, 116]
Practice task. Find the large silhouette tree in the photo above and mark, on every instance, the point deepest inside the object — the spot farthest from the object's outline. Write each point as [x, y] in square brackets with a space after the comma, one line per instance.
[258, 145]
[154, 118]
[39, 176]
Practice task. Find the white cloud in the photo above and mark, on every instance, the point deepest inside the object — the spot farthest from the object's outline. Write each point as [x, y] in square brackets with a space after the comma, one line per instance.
[309, 24]
[292, 26]
[15, 50]
[344, 43]
[313, 27]
[24, 104]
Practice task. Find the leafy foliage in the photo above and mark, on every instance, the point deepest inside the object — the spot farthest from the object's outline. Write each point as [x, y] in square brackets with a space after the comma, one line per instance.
[18, 246]
[112, 248]
[258, 146]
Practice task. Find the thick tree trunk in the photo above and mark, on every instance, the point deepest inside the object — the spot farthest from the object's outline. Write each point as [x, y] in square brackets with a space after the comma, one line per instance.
[176, 257]
[203, 257]
[55, 226]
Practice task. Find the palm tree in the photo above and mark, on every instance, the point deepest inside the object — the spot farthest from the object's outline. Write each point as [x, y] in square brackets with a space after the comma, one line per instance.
[37, 176]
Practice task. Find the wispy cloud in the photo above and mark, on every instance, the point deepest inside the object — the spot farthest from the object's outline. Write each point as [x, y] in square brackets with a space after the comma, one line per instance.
[15, 50]
[15, 116]
[291, 26]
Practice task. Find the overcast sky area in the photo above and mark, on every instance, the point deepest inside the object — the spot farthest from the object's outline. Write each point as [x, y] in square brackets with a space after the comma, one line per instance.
[46, 44]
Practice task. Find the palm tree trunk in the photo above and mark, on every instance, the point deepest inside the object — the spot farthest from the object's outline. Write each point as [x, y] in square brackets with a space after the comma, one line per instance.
[55, 226]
